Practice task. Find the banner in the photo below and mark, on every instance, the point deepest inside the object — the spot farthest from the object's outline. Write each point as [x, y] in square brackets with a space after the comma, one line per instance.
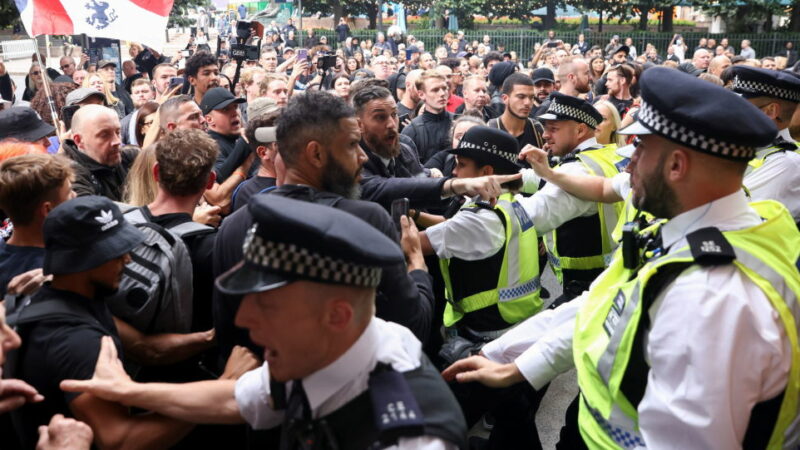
[142, 21]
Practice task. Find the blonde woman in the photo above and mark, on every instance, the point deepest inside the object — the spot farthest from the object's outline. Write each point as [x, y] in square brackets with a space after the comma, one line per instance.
[95, 81]
[606, 132]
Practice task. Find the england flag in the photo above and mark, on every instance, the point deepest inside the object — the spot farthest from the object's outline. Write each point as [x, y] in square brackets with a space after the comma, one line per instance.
[130, 20]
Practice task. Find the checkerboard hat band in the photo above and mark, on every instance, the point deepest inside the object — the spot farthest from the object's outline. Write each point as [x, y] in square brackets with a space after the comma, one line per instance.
[489, 148]
[661, 124]
[767, 90]
[573, 113]
[294, 260]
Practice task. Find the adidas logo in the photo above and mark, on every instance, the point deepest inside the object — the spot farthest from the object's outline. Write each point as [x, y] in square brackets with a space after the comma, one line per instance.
[710, 247]
[106, 218]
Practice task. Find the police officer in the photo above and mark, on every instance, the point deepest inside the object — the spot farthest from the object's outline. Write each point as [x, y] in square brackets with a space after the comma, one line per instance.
[580, 244]
[488, 254]
[488, 257]
[774, 173]
[334, 376]
[690, 341]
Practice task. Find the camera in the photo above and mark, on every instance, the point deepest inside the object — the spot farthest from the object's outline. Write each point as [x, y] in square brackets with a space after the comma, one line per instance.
[241, 51]
[326, 61]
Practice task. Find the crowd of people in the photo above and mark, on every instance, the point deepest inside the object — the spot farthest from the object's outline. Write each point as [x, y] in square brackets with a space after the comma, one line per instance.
[342, 245]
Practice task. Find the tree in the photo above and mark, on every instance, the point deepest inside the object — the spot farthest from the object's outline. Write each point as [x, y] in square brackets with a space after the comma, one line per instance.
[178, 17]
[744, 16]
[8, 14]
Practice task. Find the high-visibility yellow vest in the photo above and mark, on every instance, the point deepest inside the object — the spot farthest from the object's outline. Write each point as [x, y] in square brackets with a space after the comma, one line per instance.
[602, 162]
[607, 324]
[516, 293]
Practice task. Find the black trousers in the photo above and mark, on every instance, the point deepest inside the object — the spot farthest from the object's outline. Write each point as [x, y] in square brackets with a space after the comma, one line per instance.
[514, 410]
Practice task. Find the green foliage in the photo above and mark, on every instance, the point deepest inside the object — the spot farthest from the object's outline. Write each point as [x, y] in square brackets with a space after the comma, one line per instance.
[747, 16]
[178, 17]
[8, 14]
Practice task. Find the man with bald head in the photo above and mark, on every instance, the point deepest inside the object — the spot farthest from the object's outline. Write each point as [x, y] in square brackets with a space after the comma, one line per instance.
[67, 64]
[701, 59]
[573, 76]
[99, 163]
[718, 65]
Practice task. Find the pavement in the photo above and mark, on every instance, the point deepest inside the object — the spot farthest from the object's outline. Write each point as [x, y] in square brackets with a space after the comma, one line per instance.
[549, 418]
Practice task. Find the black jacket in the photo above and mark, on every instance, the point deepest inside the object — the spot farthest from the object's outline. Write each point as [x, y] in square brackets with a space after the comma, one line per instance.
[402, 297]
[93, 178]
[430, 132]
[409, 179]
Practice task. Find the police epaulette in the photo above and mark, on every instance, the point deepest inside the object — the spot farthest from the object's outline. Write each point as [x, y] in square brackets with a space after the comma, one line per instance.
[709, 247]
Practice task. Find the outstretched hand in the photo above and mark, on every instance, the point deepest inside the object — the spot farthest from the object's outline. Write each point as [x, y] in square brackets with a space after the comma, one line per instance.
[538, 160]
[487, 187]
[109, 381]
[480, 369]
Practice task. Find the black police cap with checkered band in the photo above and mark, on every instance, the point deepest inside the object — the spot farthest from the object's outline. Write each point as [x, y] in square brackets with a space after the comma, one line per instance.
[567, 107]
[756, 82]
[293, 240]
[700, 115]
[497, 147]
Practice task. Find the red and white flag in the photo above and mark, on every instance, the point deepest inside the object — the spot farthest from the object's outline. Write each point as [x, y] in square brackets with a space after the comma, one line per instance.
[142, 21]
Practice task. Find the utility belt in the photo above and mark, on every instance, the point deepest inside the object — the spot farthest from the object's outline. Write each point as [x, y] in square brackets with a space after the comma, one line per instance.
[462, 342]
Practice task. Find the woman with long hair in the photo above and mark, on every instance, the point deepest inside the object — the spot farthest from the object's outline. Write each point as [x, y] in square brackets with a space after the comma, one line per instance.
[140, 185]
[95, 81]
[144, 120]
[606, 131]
[597, 67]
[351, 65]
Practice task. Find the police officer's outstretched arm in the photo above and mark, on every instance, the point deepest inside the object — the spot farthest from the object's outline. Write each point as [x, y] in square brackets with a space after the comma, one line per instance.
[585, 187]
[100, 405]
[489, 373]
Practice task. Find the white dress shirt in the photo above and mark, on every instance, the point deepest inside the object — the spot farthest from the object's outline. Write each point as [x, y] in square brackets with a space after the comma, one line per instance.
[343, 380]
[469, 235]
[716, 346]
[778, 179]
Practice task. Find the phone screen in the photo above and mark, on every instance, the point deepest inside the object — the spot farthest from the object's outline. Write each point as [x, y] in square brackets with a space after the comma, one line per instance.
[399, 209]
[175, 81]
[302, 54]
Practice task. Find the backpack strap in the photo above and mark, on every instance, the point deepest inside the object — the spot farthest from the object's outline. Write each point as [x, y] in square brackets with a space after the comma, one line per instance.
[191, 228]
[135, 216]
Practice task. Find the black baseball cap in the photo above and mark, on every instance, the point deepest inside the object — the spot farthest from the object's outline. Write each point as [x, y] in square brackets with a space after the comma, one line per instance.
[218, 98]
[543, 74]
[22, 123]
[84, 233]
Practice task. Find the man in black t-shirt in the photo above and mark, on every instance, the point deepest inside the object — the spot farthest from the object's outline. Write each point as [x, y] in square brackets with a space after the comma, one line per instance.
[260, 134]
[30, 187]
[87, 245]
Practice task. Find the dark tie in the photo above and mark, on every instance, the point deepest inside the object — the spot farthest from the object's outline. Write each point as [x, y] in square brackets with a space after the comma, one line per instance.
[391, 167]
[297, 428]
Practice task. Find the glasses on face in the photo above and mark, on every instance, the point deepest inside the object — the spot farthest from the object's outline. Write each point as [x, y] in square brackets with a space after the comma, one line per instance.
[66, 66]
[36, 73]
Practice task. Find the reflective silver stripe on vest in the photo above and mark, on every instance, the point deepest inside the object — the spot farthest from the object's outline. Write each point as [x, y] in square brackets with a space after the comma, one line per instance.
[606, 362]
[518, 291]
[512, 246]
[791, 436]
[620, 428]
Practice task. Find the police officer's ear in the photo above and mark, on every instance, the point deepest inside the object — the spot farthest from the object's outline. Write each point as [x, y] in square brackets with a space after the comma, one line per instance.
[339, 313]
[486, 170]
[772, 110]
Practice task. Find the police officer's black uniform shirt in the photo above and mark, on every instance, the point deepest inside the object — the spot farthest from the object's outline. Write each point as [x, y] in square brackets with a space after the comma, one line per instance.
[61, 349]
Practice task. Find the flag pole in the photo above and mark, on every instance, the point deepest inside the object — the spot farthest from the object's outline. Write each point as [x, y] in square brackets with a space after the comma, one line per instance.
[46, 82]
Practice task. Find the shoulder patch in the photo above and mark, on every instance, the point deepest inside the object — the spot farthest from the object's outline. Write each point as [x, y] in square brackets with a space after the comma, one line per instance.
[709, 247]
[395, 409]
